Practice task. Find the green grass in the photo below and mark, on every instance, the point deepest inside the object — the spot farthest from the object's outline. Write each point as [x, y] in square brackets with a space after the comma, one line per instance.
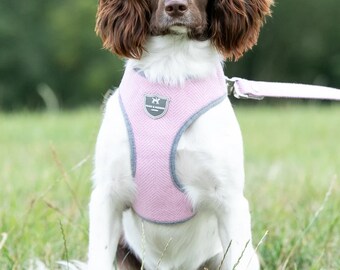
[292, 154]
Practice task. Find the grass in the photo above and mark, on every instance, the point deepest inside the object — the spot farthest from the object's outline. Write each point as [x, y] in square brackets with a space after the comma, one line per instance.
[292, 156]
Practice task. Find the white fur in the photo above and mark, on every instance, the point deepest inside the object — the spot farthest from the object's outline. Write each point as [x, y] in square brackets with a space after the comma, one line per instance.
[215, 187]
[173, 59]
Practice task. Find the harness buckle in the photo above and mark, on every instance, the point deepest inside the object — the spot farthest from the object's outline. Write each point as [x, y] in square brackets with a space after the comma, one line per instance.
[237, 93]
[230, 85]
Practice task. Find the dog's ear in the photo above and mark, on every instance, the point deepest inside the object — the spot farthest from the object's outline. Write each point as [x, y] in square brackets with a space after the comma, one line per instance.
[123, 26]
[235, 24]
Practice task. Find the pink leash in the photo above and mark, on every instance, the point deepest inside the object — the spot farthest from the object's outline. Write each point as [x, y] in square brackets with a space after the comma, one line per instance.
[242, 88]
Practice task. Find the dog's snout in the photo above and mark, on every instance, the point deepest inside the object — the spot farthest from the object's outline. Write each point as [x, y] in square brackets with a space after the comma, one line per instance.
[176, 8]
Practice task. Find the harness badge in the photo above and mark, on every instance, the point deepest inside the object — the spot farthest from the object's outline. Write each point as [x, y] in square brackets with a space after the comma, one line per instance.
[156, 106]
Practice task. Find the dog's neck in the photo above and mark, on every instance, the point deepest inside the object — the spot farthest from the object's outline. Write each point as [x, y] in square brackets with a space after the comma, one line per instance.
[172, 59]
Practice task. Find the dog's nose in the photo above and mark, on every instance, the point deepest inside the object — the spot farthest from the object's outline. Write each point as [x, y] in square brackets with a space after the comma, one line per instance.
[176, 8]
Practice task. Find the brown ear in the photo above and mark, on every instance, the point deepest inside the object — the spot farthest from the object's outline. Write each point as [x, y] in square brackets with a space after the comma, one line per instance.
[235, 24]
[123, 26]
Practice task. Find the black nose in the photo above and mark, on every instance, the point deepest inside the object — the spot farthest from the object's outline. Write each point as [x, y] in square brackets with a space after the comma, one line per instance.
[176, 8]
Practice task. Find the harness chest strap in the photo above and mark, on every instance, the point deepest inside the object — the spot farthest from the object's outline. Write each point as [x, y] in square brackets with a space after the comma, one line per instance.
[242, 88]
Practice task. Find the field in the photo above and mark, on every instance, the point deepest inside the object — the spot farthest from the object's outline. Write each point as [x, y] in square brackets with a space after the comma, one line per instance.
[292, 157]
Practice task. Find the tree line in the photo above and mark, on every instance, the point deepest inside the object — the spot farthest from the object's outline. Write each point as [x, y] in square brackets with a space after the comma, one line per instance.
[48, 47]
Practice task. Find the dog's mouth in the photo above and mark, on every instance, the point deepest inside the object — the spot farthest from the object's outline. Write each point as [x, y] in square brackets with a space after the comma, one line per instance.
[178, 29]
[197, 31]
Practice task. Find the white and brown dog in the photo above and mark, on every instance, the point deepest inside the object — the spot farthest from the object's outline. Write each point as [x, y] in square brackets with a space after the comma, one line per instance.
[169, 174]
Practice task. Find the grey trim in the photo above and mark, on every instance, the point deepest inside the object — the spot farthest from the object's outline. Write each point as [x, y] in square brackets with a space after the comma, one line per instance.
[179, 134]
[131, 135]
[163, 223]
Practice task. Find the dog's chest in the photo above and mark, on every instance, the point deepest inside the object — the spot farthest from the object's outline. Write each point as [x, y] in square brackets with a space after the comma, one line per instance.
[156, 117]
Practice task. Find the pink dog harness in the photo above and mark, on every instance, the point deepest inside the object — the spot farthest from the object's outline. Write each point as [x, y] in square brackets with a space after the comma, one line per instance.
[156, 116]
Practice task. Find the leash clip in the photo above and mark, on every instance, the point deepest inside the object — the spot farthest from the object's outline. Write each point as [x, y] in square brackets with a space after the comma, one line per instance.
[236, 91]
[230, 85]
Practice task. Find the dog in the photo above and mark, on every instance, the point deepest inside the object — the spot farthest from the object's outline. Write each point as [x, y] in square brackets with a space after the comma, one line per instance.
[168, 175]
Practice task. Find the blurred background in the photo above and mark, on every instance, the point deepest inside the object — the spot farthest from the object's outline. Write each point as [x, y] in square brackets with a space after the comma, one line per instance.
[50, 55]
[51, 59]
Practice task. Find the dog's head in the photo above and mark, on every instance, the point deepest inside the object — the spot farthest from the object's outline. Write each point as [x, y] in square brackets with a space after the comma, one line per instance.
[232, 25]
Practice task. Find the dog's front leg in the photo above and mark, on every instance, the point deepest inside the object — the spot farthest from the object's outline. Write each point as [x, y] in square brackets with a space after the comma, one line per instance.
[105, 228]
[235, 233]
[113, 187]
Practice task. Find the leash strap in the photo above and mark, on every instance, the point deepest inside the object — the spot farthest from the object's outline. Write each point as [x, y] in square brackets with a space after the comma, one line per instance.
[246, 89]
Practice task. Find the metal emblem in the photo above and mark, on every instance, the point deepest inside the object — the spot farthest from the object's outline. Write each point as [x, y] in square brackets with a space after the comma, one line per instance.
[156, 106]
